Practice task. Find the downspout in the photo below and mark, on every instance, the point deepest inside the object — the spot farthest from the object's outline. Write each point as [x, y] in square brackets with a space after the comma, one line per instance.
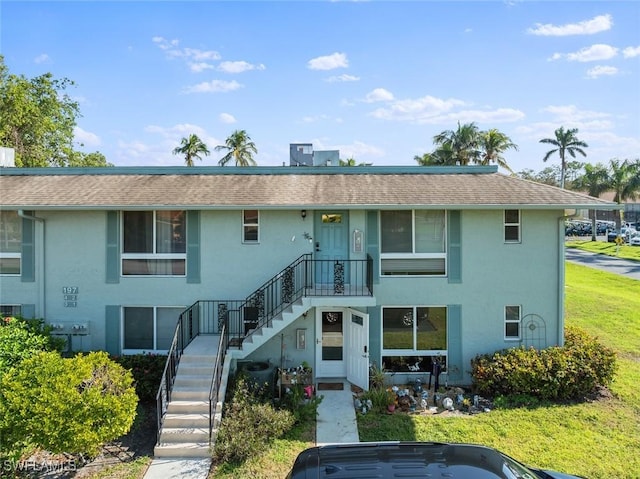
[40, 268]
[561, 274]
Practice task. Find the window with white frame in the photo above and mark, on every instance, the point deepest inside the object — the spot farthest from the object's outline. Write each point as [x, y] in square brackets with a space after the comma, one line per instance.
[154, 243]
[512, 226]
[413, 242]
[512, 322]
[10, 310]
[10, 242]
[148, 329]
[413, 337]
[250, 226]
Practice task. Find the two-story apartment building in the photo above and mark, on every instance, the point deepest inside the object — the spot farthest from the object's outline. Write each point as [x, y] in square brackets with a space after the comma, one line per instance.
[400, 266]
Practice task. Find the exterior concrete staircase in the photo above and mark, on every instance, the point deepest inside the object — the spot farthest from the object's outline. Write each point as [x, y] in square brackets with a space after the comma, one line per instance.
[261, 335]
[185, 431]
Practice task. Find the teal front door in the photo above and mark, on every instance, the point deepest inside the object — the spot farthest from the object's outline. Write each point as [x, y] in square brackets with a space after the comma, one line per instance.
[331, 246]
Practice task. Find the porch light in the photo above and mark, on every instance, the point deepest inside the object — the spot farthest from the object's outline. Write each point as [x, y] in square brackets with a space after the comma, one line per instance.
[303, 214]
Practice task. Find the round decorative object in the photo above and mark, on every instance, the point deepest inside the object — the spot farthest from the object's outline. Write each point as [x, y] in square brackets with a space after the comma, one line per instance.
[447, 403]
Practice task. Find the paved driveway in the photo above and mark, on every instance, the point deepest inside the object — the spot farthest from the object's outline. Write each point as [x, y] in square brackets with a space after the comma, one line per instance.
[611, 264]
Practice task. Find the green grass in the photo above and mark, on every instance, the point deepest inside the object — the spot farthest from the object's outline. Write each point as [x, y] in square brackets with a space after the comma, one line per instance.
[597, 439]
[610, 249]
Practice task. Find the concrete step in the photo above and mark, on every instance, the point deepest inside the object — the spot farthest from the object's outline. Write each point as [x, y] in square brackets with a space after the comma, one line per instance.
[194, 369]
[193, 359]
[186, 407]
[192, 420]
[172, 435]
[189, 394]
[188, 381]
[184, 449]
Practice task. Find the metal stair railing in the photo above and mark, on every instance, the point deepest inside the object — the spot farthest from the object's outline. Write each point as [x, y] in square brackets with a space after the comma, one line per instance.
[235, 320]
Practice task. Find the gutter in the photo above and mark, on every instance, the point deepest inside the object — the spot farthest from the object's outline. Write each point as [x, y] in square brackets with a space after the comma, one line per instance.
[561, 273]
[40, 275]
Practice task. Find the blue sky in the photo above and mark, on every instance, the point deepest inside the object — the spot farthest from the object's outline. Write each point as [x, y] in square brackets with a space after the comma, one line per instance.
[374, 79]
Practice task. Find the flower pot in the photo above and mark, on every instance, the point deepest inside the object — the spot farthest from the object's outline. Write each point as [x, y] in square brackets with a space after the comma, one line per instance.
[391, 407]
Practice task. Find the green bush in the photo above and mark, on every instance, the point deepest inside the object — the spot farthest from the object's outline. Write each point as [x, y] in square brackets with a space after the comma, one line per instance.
[63, 405]
[563, 373]
[22, 338]
[147, 372]
[249, 424]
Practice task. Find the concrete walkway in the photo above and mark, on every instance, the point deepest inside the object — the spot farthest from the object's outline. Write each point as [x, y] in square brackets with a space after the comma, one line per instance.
[176, 468]
[336, 422]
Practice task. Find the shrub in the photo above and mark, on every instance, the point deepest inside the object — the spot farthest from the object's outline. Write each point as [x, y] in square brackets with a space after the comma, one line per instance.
[558, 373]
[248, 425]
[147, 372]
[22, 338]
[63, 405]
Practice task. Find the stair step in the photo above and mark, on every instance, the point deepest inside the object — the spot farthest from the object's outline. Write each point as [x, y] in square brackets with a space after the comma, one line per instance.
[185, 449]
[193, 369]
[184, 406]
[189, 394]
[172, 435]
[192, 420]
[196, 382]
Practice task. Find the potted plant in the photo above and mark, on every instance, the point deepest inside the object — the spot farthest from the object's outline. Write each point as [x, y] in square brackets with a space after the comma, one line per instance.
[392, 400]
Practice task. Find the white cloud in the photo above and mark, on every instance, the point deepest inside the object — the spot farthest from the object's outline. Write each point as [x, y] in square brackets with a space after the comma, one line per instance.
[238, 67]
[378, 94]
[198, 67]
[342, 78]
[213, 86]
[420, 109]
[227, 118]
[600, 70]
[597, 24]
[597, 52]
[86, 137]
[197, 60]
[631, 52]
[42, 58]
[328, 62]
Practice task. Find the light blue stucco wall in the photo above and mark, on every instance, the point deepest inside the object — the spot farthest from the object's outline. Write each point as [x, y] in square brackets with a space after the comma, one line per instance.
[494, 274]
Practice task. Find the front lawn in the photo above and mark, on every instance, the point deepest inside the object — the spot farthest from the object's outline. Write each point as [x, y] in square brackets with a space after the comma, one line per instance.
[599, 439]
[610, 249]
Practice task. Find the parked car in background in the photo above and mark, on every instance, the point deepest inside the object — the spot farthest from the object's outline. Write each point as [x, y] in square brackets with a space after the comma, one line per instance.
[412, 460]
[626, 232]
[635, 240]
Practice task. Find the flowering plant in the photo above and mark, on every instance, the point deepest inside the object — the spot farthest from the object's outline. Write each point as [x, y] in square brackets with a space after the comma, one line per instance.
[392, 397]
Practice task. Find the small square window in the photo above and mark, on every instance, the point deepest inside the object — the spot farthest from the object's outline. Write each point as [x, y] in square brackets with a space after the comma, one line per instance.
[512, 322]
[250, 226]
[512, 226]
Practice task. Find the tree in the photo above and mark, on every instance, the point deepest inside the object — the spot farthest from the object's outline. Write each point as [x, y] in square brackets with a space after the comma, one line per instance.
[624, 181]
[595, 181]
[88, 160]
[493, 144]
[37, 118]
[565, 142]
[191, 147]
[62, 405]
[462, 144]
[240, 148]
[350, 162]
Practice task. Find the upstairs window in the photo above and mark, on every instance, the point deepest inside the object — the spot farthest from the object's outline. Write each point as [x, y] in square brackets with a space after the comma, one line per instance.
[413, 242]
[250, 226]
[10, 242]
[512, 226]
[154, 243]
[512, 322]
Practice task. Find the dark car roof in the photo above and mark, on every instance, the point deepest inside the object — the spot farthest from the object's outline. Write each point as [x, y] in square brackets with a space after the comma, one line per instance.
[405, 460]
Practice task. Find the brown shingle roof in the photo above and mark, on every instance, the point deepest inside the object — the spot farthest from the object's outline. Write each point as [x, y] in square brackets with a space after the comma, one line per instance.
[263, 187]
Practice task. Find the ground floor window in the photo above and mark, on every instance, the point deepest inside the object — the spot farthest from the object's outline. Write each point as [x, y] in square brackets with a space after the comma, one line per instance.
[147, 329]
[10, 310]
[413, 337]
[512, 322]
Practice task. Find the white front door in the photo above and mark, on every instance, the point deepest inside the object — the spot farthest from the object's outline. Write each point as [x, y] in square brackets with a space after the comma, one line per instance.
[330, 343]
[358, 349]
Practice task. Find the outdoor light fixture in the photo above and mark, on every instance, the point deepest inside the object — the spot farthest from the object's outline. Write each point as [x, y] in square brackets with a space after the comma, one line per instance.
[303, 214]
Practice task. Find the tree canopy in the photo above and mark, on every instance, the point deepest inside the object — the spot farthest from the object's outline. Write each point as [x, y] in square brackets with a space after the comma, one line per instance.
[239, 148]
[37, 120]
[565, 141]
[191, 147]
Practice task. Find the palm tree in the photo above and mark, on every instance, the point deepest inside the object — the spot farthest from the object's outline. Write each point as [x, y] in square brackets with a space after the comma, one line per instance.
[624, 181]
[460, 146]
[191, 147]
[595, 181]
[240, 148]
[493, 143]
[565, 142]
